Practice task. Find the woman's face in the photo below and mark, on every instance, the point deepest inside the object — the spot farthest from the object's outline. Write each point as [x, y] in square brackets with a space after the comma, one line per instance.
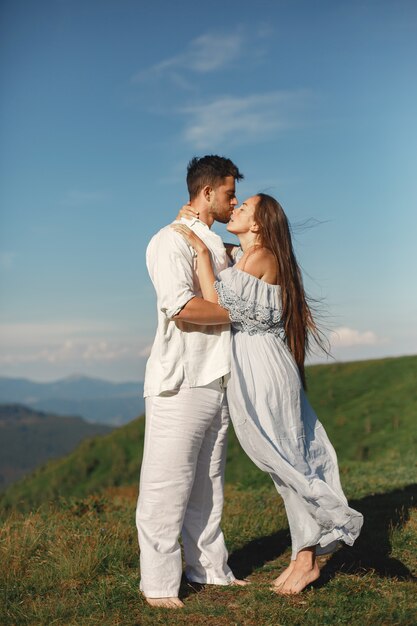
[242, 218]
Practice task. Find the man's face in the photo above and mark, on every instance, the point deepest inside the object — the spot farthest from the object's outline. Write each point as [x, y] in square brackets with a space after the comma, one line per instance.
[223, 200]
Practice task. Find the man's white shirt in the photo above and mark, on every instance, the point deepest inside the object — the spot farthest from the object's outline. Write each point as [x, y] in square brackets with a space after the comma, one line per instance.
[183, 354]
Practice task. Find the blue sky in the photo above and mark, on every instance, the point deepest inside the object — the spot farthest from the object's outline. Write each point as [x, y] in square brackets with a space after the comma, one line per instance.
[103, 104]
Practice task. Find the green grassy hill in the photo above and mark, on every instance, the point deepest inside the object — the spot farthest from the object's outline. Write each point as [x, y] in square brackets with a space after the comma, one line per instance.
[367, 407]
[75, 560]
[29, 438]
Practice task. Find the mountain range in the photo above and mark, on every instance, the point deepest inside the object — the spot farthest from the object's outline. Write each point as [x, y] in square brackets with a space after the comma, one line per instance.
[94, 399]
[367, 407]
[29, 438]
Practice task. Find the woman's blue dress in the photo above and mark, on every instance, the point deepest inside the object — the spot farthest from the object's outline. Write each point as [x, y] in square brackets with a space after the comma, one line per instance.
[274, 421]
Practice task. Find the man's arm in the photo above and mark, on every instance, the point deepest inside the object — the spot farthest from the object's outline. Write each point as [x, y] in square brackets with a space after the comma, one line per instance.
[205, 269]
[199, 311]
[170, 265]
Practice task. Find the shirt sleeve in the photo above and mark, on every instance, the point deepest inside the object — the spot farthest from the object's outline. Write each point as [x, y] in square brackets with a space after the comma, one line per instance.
[170, 264]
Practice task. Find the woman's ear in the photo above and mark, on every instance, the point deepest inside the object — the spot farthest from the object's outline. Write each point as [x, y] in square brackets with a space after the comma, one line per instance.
[254, 228]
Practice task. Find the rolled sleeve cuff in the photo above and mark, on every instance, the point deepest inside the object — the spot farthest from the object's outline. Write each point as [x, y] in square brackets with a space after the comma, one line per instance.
[175, 307]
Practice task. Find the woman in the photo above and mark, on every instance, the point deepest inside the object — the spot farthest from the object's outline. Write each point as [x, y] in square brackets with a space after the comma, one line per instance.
[274, 422]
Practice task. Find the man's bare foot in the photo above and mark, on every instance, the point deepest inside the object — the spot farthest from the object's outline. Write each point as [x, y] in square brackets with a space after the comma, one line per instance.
[240, 583]
[278, 582]
[165, 603]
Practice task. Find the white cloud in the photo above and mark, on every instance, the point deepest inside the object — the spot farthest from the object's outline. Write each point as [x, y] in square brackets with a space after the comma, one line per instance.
[66, 343]
[345, 337]
[145, 352]
[241, 119]
[206, 53]
[74, 351]
[212, 120]
[35, 334]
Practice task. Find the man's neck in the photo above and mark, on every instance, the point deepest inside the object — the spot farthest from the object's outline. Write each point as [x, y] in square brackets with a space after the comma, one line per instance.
[204, 215]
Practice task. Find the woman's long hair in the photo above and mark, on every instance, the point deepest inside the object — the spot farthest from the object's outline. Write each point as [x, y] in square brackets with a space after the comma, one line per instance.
[299, 325]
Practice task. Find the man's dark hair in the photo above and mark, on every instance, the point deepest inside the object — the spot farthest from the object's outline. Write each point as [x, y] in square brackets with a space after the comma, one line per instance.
[209, 170]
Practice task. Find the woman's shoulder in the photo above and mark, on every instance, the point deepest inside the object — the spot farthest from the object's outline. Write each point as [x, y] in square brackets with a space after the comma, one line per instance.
[262, 255]
[261, 263]
[235, 284]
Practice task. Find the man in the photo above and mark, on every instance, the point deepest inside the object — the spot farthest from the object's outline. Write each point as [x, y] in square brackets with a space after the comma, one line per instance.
[182, 475]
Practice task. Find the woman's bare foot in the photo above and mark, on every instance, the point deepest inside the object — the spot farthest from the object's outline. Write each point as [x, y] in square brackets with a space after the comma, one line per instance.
[278, 582]
[165, 603]
[305, 571]
[299, 580]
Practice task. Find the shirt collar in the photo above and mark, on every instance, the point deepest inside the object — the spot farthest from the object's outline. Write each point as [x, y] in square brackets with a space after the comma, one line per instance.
[192, 221]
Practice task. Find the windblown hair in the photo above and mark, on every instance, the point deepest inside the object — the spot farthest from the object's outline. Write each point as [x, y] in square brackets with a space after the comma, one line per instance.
[209, 170]
[299, 325]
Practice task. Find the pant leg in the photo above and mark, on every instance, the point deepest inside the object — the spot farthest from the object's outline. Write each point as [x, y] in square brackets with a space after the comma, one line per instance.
[204, 546]
[176, 427]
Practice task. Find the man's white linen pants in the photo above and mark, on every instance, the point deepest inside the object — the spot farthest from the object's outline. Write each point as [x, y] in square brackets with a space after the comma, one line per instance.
[181, 490]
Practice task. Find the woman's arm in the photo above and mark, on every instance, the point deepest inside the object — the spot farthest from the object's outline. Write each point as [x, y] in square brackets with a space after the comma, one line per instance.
[199, 311]
[206, 275]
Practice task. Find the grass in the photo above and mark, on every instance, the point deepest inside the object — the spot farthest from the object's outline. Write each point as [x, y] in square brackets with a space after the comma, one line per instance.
[69, 548]
[76, 563]
[368, 407]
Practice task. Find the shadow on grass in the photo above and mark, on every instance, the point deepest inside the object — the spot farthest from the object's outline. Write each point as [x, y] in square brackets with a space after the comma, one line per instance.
[258, 552]
[382, 514]
[248, 558]
[371, 552]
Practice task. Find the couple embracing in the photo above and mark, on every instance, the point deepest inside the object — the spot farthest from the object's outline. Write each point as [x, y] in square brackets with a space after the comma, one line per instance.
[233, 329]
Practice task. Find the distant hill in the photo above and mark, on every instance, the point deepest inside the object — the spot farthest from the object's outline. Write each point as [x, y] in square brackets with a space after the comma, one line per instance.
[368, 409]
[29, 438]
[93, 399]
